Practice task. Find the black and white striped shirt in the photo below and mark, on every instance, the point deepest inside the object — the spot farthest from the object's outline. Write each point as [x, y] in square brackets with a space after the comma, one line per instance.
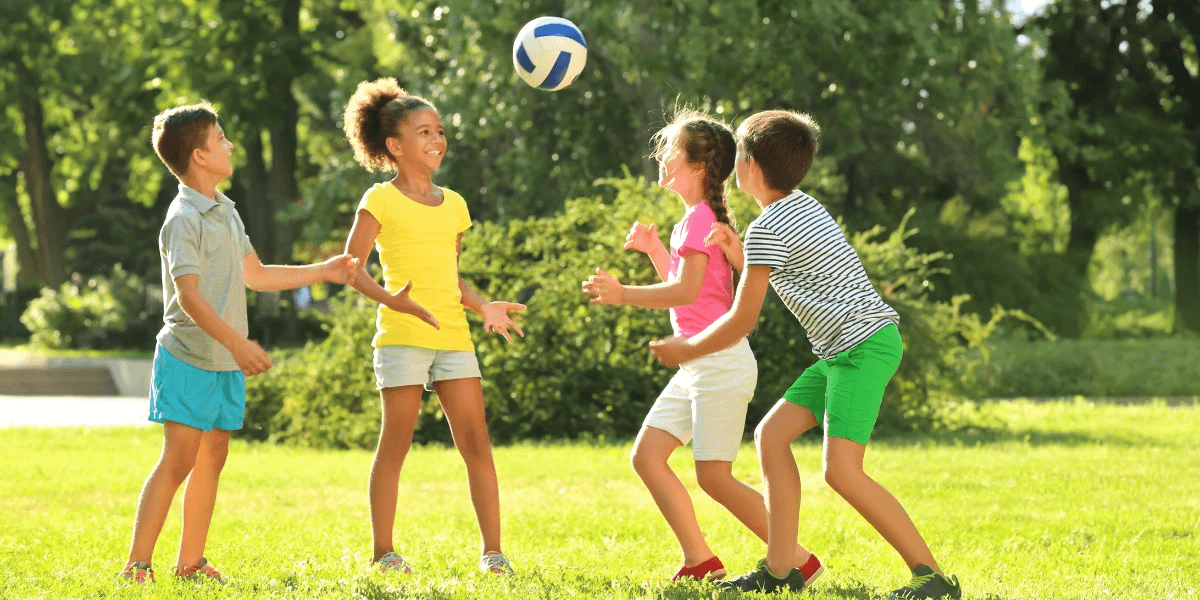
[817, 274]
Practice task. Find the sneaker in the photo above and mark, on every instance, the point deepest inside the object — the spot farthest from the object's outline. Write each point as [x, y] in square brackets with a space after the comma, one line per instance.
[495, 563]
[138, 573]
[706, 571]
[202, 571]
[927, 584]
[392, 562]
[762, 580]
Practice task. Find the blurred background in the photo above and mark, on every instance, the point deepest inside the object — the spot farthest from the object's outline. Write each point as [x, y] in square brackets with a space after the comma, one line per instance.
[1021, 180]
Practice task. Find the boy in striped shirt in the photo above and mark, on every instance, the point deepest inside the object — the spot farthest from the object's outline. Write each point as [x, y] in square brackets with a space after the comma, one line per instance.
[797, 247]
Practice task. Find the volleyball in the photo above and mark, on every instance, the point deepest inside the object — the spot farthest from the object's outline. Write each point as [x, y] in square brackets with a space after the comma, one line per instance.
[549, 53]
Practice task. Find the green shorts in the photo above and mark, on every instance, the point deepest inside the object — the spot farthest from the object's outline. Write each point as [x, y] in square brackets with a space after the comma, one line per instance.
[844, 393]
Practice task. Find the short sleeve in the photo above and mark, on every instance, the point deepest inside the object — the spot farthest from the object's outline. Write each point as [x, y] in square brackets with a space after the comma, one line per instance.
[764, 247]
[464, 215]
[694, 227]
[374, 202]
[180, 239]
[247, 245]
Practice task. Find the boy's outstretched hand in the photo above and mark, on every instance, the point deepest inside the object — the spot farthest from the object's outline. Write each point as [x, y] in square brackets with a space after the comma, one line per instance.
[341, 269]
[496, 319]
[642, 238]
[670, 351]
[725, 238]
[604, 289]
[402, 303]
[250, 357]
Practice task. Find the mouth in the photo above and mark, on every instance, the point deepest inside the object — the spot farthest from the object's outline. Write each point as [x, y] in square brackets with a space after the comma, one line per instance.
[434, 153]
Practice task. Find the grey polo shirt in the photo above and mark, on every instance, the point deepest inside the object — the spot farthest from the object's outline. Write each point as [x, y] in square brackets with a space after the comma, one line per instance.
[205, 238]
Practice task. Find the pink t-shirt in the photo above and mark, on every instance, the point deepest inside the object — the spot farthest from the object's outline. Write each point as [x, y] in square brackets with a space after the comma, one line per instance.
[716, 291]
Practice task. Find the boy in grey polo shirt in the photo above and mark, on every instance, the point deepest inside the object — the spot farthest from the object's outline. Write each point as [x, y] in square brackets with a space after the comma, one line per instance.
[198, 388]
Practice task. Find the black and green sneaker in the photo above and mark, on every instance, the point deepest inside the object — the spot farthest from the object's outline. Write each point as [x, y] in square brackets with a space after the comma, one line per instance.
[762, 580]
[927, 584]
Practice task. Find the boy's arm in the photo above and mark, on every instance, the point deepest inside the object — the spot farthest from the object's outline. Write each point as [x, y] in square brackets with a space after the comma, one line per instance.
[605, 289]
[725, 331]
[249, 356]
[495, 314]
[260, 278]
[362, 236]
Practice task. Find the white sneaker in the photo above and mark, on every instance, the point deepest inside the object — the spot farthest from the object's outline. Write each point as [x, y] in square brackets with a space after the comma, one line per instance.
[495, 563]
[392, 562]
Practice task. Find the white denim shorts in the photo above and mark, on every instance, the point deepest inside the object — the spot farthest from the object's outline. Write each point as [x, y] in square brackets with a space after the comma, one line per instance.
[397, 366]
[705, 402]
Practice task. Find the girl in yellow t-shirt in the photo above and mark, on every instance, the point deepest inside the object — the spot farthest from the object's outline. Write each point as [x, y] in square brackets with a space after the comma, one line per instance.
[422, 337]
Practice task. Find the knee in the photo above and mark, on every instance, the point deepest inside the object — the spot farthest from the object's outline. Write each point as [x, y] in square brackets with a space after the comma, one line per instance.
[177, 466]
[475, 446]
[217, 455]
[643, 460]
[713, 481]
[768, 438]
[840, 479]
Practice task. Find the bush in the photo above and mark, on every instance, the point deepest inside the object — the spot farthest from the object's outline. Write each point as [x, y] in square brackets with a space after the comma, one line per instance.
[103, 312]
[584, 371]
[1163, 367]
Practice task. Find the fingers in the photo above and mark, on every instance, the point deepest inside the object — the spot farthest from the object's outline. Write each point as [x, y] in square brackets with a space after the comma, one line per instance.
[429, 318]
[406, 288]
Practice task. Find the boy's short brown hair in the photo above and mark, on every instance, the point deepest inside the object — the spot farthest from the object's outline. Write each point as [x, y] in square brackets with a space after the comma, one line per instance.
[180, 130]
[783, 143]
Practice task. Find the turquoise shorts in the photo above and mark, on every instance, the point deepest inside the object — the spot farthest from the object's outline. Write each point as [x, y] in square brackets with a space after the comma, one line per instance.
[195, 397]
[845, 392]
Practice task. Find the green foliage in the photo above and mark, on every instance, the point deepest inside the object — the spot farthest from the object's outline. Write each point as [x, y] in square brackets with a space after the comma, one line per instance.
[103, 312]
[584, 371]
[1155, 367]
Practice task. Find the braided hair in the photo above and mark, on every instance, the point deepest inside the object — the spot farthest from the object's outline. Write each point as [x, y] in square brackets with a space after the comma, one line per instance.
[375, 113]
[709, 142]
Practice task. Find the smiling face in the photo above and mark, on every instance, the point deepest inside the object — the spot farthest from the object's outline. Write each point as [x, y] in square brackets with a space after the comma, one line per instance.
[216, 155]
[421, 140]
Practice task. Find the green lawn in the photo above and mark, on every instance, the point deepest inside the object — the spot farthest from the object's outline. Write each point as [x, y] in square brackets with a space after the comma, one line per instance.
[1071, 500]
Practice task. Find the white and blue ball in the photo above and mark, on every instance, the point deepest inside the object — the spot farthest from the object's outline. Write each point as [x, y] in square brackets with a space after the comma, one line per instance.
[549, 53]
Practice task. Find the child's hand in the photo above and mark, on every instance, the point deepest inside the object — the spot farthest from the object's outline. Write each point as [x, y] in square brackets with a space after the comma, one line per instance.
[402, 303]
[341, 269]
[642, 238]
[671, 351]
[725, 238]
[604, 289]
[496, 319]
[250, 357]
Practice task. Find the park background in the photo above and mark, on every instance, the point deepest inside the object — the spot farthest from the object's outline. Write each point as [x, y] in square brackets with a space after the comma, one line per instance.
[1020, 181]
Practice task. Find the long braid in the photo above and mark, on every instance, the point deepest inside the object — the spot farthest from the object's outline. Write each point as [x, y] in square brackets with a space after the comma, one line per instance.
[712, 144]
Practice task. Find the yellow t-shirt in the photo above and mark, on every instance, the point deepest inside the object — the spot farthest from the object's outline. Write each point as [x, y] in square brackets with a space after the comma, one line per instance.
[417, 242]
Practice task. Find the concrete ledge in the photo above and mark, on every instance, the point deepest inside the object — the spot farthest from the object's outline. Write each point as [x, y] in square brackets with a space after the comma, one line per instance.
[130, 375]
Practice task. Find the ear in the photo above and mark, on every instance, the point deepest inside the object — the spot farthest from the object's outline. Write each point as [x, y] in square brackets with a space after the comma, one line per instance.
[393, 146]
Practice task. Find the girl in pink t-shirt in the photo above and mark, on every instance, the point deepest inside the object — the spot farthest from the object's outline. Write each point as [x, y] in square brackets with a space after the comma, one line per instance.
[705, 402]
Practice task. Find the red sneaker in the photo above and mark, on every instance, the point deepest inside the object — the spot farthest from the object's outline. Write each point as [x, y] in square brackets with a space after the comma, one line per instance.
[706, 571]
[812, 569]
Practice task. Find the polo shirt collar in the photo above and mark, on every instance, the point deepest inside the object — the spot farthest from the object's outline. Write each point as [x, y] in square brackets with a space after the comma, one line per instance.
[199, 201]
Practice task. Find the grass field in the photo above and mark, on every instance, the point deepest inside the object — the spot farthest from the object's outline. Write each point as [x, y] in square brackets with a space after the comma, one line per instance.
[1069, 500]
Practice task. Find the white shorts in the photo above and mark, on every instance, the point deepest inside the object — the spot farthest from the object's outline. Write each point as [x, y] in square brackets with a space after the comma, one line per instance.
[397, 366]
[705, 402]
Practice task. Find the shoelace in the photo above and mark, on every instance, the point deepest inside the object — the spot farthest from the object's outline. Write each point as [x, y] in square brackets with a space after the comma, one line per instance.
[496, 561]
[391, 561]
[919, 580]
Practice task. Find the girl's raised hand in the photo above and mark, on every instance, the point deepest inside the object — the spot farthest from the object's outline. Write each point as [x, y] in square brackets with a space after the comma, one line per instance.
[725, 238]
[642, 238]
[604, 289]
[496, 319]
[401, 302]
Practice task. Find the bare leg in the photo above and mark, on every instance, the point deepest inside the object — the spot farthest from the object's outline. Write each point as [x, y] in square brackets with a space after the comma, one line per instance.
[844, 473]
[742, 501]
[180, 443]
[781, 480]
[401, 406]
[650, 453]
[462, 401]
[200, 497]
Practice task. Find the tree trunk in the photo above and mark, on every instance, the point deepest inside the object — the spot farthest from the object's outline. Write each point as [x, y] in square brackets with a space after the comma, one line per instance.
[1187, 265]
[256, 203]
[47, 213]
